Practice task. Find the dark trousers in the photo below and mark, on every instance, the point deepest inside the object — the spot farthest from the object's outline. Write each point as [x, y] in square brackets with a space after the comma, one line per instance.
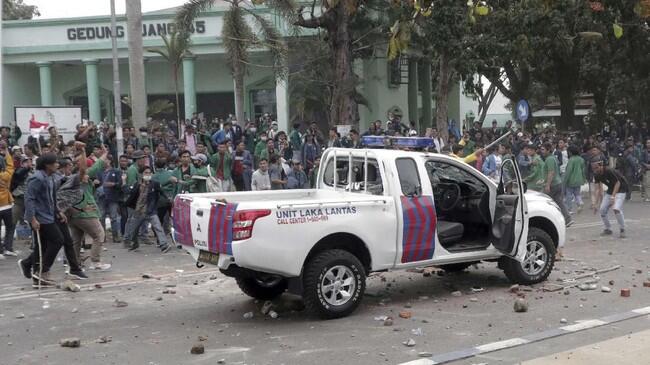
[124, 216]
[68, 247]
[6, 216]
[163, 213]
[51, 242]
[238, 180]
[558, 197]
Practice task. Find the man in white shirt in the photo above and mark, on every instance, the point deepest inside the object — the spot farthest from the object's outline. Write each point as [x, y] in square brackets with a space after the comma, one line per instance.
[261, 179]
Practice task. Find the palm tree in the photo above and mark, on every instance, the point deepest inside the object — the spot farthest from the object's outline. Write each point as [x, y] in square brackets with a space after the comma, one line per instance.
[175, 48]
[238, 38]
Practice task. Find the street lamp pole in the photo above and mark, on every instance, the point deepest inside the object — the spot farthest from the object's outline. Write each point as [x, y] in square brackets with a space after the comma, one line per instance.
[116, 84]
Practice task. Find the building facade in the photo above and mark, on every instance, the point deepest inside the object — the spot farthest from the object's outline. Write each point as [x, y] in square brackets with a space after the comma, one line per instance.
[67, 61]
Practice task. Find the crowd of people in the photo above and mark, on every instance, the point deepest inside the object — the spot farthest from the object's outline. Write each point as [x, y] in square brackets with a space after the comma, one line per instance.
[65, 191]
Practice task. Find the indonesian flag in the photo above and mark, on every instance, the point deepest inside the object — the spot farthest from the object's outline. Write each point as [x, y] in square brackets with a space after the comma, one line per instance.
[35, 127]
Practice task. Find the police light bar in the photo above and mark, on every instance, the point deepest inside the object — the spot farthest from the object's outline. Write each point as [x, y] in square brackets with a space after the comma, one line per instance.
[402, 142]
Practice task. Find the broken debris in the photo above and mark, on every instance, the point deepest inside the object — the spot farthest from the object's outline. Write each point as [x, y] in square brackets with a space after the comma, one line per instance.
[409, 343]
[625, 293]
[68, 285]
[405, 314]
[521, 305]
[197, 349]
[120, 303]
[70, 342]
[606, 289]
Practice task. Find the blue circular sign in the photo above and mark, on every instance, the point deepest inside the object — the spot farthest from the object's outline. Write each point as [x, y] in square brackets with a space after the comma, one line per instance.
[522, 110]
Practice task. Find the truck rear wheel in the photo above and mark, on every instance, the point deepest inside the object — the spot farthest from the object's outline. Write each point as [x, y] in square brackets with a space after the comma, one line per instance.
[538, 263]
[334, 282]
[263, 287]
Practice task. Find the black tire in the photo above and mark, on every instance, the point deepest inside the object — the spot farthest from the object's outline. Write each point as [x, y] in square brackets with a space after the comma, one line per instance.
[259, 288]
[456, 267]
[314, 274]
[514, 269]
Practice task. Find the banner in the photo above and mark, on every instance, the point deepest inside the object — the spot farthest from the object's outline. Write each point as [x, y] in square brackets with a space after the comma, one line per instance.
[37, 119]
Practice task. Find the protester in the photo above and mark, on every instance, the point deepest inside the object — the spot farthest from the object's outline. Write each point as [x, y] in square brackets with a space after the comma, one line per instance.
[261, 179]
[574, 179]
[614, 197]
[553, 181]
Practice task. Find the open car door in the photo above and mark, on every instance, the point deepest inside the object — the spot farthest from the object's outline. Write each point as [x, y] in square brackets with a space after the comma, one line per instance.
[509, 229]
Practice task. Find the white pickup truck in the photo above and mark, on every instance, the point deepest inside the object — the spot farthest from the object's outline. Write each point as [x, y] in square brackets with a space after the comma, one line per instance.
[372, 210]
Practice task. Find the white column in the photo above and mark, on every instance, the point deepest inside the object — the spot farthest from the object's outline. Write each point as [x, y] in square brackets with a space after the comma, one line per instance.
[282, 104]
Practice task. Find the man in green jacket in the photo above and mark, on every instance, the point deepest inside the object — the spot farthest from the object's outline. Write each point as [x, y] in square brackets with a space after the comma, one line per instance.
[83, 218]
[535, 178]
[167, 182]
[183, 173]
[134, 171]
[553, 181]
[201, 173]
[574, 178]
[221, 163]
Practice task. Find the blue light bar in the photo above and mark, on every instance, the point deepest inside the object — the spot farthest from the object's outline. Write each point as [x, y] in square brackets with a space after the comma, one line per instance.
[403, 142]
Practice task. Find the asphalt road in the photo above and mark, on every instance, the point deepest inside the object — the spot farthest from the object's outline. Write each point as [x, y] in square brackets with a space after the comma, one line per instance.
[208, 308]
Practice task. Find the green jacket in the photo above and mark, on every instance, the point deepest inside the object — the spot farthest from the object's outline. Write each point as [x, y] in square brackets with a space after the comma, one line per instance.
[536, 174]
[574, 176]
[200, 185]
[552, 164]
[259, 147]
[295, 140]
[163, 176]
[215, 160]
[87, 208]
[132, 174]
[185, 181]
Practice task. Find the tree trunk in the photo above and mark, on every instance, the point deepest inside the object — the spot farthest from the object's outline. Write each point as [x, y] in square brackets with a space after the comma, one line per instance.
[566, 82]
[238, 78]
[344, 109]
[600, 109]
[442, 95]
[136, 64]
[178, 106]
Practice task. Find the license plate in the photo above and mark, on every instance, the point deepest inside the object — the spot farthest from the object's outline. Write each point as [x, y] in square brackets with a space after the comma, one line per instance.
[209, 257]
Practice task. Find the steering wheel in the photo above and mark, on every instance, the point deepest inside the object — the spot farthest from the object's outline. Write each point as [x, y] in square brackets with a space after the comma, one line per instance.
[449, 196]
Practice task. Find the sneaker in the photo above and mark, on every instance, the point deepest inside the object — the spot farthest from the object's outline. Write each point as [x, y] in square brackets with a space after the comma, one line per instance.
[622, 235]
[24, 269]
[606, 232]
[77, 275]
[98, 266]
[10, 253]
[134, 246]
[570, 223]
[41, 283]
[166, 248]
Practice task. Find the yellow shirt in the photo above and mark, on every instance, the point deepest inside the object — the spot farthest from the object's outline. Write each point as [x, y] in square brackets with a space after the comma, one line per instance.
[467, 159]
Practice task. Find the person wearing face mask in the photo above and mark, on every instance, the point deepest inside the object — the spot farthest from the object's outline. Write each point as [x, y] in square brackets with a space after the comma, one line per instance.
[250, 137]
[260, 146]
[143, 199]
[144, 139]
[273, 132]
[201, 173]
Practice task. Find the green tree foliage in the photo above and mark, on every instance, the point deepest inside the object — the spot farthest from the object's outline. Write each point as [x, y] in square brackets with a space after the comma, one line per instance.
[17, 9]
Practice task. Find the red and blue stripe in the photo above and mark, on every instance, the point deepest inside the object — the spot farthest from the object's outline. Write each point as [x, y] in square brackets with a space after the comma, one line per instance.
[419, 228]
[221, 224]
[182, 222]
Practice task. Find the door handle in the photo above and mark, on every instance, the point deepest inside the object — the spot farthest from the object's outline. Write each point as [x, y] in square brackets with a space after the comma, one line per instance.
[199, 213]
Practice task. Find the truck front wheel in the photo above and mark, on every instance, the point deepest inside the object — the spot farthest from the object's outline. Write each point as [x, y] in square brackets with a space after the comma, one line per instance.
[538, 263]
[263, 287]
[334, 282]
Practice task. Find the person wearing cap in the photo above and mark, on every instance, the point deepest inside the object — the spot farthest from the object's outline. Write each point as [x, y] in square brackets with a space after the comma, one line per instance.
[134, 171]
[296, 178]
[221, 163]
[202, 171]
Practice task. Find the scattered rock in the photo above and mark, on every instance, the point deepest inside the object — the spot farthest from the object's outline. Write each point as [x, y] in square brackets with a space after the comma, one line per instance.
[74, 310]
[213, 277]
[388, 322]
[70, 342]
[424, 354]
[567, 292]
[646, 284]
[514, 288]
[266, 307]
[456, 293]
[98, 286]
[625, 293]
[405, 314]
[564, 321]
[159, 299]
[147, 276]
[221, 361]
[477, 289]
[585, 287]
[20, 316]
[104, 339]
[417, 332]
[473, 300]
[611, 282]
[69, 286]
[170, 285]
[202, 338]
[639, 271]
[169, 291]
[521, 305]
[606, 289]
[248, 315]
[273, 314]
[409, 343]
[197, 349]
[120, 303]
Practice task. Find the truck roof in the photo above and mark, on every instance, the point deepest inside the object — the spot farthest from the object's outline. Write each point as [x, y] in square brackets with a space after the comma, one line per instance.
[392, 153]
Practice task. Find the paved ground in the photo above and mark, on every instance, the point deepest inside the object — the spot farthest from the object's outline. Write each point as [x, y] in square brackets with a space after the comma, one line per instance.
[157, 328]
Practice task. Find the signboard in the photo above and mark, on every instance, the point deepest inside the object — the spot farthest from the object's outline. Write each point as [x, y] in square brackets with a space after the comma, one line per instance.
[64, 118]
[343, 129]
[523, 110]
[84, 33]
